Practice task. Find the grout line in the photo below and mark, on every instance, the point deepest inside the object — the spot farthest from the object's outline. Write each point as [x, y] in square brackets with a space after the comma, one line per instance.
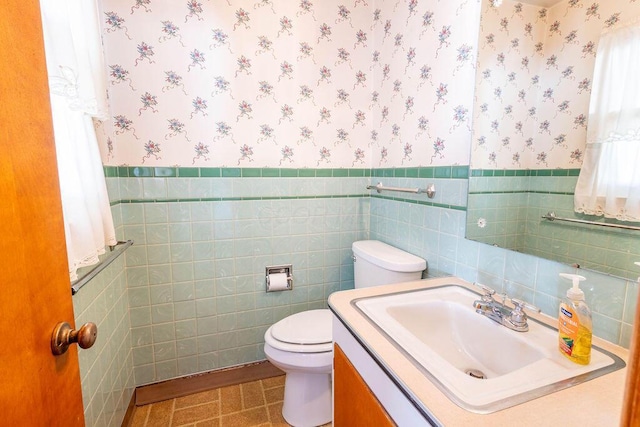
[193, 406]
[241, 398]
[173, 409]
[266, 405]
[146, 419]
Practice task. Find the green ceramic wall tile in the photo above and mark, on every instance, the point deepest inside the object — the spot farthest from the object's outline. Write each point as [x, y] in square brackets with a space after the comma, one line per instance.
[231, 172]
[140, 172]
[210, 172]
[165, 172]
[425, 172]
[412, 172]
[188, 172]
[460, 172]
[251, 172]
[442, 172]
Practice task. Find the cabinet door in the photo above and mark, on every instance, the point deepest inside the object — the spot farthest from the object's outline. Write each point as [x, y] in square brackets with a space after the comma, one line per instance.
[354, 403]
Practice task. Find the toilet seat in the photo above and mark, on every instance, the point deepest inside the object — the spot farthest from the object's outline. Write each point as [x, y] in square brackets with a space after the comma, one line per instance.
[304, 332]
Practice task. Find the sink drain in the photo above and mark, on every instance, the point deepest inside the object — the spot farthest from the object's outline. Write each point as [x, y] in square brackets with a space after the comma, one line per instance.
[475, 373]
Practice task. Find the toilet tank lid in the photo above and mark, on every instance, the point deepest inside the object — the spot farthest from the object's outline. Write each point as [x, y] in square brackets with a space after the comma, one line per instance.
[388, 257]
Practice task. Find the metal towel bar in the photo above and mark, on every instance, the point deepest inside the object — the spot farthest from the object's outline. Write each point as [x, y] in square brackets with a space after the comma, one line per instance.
[113, 254]
[551, 216]
[430, 190]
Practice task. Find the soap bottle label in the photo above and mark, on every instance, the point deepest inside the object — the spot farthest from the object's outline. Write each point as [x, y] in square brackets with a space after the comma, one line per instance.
[568, 329]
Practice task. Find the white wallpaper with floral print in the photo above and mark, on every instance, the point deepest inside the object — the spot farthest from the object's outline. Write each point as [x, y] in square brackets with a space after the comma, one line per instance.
[422, 95]
[274, 83]
[535, 67]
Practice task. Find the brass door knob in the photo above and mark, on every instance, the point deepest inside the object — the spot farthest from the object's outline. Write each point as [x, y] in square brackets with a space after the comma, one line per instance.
[63, 336]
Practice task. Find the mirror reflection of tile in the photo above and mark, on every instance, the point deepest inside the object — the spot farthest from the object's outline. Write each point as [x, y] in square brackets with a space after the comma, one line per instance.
[532, 96]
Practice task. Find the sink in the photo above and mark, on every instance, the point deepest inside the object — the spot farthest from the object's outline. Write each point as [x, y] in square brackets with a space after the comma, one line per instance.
[465, 341]
[480, 365]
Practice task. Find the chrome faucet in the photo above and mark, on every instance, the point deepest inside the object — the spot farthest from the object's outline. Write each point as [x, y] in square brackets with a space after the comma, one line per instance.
[515, 319]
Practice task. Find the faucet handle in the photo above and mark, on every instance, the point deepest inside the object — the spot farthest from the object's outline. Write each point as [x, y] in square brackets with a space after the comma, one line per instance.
[518, 317]
[487, 294]
[520, 305]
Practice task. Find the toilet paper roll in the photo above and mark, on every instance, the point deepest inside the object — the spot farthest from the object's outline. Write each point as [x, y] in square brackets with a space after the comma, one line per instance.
[278, 282]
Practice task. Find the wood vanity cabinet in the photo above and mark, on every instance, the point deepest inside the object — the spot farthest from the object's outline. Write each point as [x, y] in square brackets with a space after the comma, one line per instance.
[354, 403]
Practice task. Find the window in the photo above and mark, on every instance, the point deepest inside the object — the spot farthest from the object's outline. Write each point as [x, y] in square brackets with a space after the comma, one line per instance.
[609, 181]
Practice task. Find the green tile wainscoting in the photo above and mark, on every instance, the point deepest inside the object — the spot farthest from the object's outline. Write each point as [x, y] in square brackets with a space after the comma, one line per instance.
[203, 237]
[195, 275]
[106, 369]
[511, 205]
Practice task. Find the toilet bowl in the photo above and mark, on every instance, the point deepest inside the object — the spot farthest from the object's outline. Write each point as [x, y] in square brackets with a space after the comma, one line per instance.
[301, 344]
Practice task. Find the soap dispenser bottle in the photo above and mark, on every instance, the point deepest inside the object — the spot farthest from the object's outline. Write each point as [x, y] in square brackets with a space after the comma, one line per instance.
[574, 323]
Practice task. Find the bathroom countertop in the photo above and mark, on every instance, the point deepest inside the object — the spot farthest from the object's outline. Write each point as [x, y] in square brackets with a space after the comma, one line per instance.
[597, 402]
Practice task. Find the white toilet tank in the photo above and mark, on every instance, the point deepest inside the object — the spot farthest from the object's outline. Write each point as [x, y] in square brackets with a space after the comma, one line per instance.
[376, 263]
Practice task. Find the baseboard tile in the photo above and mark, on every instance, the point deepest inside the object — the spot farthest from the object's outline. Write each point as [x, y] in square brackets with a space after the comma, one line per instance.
[180, 387]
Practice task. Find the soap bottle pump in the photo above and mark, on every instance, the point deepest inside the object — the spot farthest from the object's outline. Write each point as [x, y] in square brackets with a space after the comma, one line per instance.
[574, 323]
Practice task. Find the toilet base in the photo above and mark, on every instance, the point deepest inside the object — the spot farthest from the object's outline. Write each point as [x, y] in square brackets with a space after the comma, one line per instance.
[307, 387]
[307, 399]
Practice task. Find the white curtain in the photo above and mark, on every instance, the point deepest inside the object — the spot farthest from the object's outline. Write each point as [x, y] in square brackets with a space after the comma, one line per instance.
[609, 181]
[77, 81]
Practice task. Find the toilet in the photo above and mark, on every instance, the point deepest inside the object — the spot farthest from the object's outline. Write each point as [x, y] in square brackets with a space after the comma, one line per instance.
[301, 344]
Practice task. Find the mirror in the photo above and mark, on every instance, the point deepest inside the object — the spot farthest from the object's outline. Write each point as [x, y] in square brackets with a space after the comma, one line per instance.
[533, 80]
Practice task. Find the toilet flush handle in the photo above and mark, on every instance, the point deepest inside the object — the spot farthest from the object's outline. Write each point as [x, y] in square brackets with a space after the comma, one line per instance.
[63, 336]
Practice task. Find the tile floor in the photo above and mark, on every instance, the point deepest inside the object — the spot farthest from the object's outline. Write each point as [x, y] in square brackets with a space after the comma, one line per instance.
[256, 403]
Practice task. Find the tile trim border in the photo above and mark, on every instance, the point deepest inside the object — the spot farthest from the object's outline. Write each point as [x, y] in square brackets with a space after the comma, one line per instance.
[476, 173]
[561, 193]
[239, 199]
[438, 172]
[447, 172]
[420, 202]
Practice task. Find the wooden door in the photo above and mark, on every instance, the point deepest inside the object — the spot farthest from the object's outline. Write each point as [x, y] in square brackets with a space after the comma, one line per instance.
[36, 388]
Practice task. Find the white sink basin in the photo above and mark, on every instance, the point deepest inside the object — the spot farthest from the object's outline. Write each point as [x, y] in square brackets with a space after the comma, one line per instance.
[440, 331]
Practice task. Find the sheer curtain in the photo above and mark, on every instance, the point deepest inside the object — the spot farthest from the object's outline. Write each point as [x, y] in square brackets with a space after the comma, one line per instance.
[609, 181]
[77, 82]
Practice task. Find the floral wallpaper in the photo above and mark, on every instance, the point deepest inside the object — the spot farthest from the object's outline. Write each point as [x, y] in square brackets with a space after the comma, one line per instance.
[534, 81]
[422, 95]
[267, 83]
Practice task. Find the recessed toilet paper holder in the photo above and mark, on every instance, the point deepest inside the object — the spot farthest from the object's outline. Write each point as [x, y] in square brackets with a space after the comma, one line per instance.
[279, 269]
